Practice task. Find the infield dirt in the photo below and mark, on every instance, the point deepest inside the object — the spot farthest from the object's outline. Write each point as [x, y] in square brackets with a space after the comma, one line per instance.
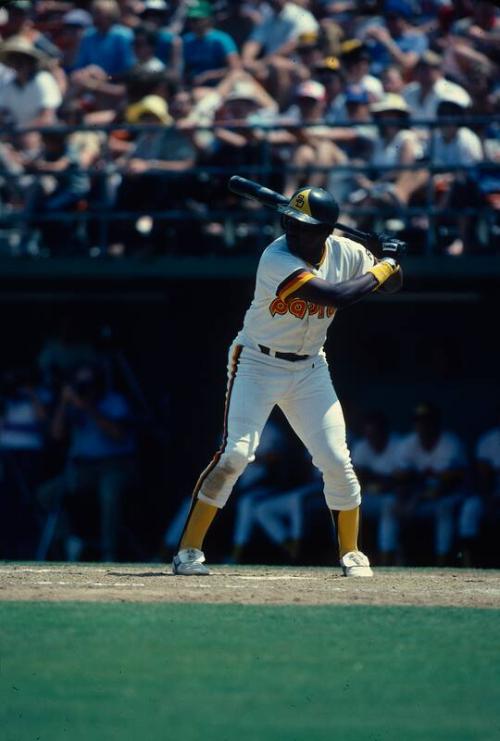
[248, 585]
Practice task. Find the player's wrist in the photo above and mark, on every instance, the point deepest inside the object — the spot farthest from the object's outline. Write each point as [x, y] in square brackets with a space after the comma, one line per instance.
[383, 270]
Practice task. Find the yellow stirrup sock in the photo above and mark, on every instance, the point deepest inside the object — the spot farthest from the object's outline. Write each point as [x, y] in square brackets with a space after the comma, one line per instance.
[197, 526]
[347, 530]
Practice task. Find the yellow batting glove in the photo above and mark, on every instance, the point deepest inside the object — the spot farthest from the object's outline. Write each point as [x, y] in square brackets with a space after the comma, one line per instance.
[383, 270]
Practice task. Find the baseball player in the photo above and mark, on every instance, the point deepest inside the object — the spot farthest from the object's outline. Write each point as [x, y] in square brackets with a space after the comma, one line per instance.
[303, 278]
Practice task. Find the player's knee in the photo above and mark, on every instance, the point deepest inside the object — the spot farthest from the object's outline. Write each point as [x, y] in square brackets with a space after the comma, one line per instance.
[342, 489]
[218, 484]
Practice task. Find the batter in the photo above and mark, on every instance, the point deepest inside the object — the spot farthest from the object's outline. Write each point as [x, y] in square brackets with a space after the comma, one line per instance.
[303, 277]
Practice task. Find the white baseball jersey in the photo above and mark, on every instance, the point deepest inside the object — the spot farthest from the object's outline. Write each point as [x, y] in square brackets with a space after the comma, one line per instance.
[295, 325]
[447, 454]
[383, 463]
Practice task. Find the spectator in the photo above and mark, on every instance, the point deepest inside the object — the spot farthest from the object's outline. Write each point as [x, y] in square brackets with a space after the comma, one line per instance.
[376, 460]
[74, 24]
[32, 97]
[239, 142]
[430, 88]
[329, 73]
[60, 183]
[97, 422]
[209, 54]
[236, 19]
[453, 145]
[355, 58]
[266, 54]
[20, 23]
[278, 35]
[107, 45]
[313, 142]
[432, 471]
[397, 40]
[155, 171]
[396, 146]
[145, 44]
[168, 46]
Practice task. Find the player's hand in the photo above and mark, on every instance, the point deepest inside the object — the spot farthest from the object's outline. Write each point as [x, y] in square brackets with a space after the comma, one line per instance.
[391, 247]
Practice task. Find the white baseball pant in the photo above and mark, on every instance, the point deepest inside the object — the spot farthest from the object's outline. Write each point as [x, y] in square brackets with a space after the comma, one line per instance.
[304, 392]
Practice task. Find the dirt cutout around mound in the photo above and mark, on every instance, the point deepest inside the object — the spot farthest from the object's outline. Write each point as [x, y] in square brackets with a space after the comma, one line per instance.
[257, 585]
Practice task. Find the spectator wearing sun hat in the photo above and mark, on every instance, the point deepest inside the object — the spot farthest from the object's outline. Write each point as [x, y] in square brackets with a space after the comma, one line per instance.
[208, 53]
[395, 146]
[155, 171]
[430, 87]
[32, 96]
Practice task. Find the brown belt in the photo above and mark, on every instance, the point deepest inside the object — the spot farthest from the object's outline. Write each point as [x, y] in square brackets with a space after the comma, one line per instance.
[291, 356]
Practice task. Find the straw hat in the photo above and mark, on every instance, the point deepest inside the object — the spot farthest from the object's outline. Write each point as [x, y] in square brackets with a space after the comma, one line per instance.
[20, 45]
[390, 103]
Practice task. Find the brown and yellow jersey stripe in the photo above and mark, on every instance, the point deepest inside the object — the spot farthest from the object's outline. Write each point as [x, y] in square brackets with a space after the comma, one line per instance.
[293, 282]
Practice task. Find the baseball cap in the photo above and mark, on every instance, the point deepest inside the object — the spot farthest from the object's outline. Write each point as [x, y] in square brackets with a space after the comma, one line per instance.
[356, 94]
[311, 89]
[355, 50]
[77, 17]
[201, 9]
[330, 64]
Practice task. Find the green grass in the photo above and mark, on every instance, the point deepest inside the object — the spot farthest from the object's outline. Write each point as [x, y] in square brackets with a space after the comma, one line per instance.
[135, 672]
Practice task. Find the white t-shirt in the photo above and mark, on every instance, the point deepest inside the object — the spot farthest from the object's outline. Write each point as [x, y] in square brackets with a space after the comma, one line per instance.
[389, 154]
[443, 89]
[447, 454]
[383, 463]
[464, 149]
[25, 102]
[296, 325]
[287, 25]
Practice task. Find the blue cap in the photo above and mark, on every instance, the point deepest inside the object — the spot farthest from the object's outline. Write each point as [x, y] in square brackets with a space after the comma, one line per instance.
[356, 94]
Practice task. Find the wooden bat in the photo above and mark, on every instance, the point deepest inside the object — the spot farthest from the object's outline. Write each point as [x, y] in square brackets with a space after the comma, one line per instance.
[272, 199]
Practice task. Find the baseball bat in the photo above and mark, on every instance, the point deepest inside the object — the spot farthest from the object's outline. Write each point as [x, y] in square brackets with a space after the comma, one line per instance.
[272, 199]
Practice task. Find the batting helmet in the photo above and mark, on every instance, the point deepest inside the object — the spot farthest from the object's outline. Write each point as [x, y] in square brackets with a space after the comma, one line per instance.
[312, 206]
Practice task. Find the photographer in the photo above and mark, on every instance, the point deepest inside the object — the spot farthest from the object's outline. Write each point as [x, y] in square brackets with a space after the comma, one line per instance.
[96, 421]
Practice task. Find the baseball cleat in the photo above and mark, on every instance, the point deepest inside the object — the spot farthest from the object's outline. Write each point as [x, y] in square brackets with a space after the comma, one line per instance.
[355, 563]
[190, 562]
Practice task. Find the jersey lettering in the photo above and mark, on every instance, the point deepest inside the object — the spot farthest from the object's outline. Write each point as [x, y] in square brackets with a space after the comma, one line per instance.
[299, 308]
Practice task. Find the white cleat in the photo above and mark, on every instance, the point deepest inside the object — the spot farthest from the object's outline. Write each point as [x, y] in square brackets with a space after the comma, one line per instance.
[190, 562]
[355, 563]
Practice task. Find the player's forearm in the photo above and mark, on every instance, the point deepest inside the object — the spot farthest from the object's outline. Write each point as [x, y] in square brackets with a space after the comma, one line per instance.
[338, 295]
[347, 292]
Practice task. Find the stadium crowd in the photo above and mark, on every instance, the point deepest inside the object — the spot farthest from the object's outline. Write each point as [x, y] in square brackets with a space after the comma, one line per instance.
[143, 108]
